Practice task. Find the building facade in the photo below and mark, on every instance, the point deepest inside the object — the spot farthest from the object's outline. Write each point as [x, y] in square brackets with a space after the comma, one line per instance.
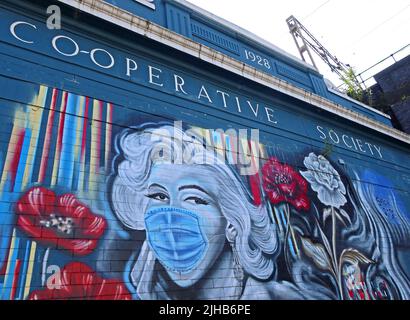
[151, 150]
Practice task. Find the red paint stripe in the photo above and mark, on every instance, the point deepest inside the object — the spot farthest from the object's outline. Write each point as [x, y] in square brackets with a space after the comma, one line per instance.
[15, 279]
[47, 139]
[16, 158]
[254, 182]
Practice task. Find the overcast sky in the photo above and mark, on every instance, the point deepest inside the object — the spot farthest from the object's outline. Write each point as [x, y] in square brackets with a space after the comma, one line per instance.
[357, 32]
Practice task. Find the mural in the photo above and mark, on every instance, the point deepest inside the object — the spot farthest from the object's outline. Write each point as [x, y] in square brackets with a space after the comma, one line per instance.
[95, 208]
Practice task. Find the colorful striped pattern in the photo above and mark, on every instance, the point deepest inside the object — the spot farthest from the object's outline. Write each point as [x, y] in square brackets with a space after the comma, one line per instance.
[52, 132]
[69, 137]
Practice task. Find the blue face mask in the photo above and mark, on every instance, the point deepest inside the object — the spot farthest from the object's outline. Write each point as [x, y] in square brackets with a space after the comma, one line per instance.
[176, 238]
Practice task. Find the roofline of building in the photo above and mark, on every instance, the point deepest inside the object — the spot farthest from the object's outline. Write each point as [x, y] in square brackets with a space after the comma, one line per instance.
[345, 96]
[141, 26]
[249, 36]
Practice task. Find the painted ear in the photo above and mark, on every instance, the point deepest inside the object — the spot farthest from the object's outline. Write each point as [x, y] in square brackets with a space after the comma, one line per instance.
[231, 232]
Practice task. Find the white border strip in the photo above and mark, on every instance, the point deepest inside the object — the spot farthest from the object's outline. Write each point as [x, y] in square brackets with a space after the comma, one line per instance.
[158, 33]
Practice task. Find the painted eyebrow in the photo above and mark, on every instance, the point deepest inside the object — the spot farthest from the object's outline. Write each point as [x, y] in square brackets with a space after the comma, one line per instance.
[192, 186]
[156, 185]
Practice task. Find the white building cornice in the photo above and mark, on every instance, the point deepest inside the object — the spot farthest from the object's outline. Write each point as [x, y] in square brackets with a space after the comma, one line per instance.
[249, 36]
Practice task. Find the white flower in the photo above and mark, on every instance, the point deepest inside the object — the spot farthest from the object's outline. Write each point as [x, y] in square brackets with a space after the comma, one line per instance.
[324, 180]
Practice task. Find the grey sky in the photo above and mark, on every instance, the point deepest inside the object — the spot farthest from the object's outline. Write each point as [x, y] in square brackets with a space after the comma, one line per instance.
[357, 32]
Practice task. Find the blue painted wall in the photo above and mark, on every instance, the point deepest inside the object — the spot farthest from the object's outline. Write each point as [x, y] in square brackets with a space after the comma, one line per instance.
[83, 190]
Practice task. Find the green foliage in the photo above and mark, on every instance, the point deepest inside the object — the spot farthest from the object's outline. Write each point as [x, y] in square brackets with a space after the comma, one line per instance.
[404, 97]
[353, 89]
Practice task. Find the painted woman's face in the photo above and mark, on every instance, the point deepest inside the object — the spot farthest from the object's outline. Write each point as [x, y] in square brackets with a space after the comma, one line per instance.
[184, 213]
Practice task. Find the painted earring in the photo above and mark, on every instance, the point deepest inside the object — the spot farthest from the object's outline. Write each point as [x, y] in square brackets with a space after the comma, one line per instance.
[238, 270]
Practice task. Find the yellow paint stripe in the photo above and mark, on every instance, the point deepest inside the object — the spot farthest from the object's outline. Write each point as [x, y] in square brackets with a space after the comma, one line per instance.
[19, 120]
[30, 270]
[262, 152]
[93, 155]
[207, 135]
[254, 152]
[35, 117]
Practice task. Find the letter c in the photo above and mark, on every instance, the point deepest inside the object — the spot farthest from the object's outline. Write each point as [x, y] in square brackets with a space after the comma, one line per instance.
[13, 30]
[345, 142]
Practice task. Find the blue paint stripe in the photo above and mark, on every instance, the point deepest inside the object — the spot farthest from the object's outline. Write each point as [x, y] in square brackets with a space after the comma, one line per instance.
[75, 176]
[23, 161]
[292, 249]
[218, 144]
[6, 219]
[216, 138]
[7, 286]
[1, 161]
[228, 149]
[6, 232]
[23, 271]
[65, 171]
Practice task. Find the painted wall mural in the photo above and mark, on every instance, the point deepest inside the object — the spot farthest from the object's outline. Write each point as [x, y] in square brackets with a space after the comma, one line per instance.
[91, 208]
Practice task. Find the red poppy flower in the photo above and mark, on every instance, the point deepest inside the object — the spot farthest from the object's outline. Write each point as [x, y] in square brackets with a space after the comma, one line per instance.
[61, 221]
[283, 184]
[78, 281]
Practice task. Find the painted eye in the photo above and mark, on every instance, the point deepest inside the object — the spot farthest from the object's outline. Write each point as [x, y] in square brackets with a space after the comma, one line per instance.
[158, 196]
[197, 201]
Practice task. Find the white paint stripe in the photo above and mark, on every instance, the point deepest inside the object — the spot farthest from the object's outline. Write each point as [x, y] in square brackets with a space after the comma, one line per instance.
[44, 267]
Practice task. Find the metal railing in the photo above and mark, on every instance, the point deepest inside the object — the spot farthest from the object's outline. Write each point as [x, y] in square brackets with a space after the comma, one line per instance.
[364, 82]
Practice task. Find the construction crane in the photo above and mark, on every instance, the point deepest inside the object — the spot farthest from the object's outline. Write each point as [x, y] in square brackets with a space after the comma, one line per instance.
[305, 40]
